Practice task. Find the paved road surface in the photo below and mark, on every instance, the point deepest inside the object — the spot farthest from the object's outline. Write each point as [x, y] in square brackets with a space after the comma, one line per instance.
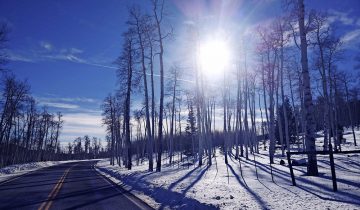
[74, 185]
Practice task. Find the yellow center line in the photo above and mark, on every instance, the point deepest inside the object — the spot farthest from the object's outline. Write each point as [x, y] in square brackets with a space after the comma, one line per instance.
[47, 204]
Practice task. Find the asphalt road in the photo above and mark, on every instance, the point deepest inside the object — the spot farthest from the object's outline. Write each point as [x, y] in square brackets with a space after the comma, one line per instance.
[75, 185]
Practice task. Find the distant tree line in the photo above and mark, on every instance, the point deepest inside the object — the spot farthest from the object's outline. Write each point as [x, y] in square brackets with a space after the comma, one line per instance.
[27, 132]
[86, 148]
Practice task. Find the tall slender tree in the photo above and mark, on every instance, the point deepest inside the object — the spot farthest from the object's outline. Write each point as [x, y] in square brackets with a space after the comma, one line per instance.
[312, 168]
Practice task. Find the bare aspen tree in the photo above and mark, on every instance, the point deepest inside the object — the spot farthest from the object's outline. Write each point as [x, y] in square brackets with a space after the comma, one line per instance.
[252, 107]
[59, 123]
[293, 102]
[109, 119]
[139, 22]
[238, 111]
[246, 96]
[269, 57]
[226, 113]
[281, 28]
[208, 134]
[321, 36]
[262, 120]
[308, 104]
[333, 53]
[127, 80]
[263, 68]
[345, 79]
[279, 122]
[158, 12]
[173, 86]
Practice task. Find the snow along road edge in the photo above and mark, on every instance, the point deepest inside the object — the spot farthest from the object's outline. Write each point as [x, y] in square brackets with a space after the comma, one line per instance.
[109, 174]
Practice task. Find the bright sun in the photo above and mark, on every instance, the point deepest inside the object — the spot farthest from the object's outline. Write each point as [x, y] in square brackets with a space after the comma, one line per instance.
[214, 57]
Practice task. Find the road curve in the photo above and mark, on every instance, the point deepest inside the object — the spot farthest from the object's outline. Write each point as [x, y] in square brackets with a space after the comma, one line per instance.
[75, 185]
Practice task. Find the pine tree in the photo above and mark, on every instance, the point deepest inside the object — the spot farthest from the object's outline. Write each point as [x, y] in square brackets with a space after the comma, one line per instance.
[291, 121]
[191, 127]
[191, 122]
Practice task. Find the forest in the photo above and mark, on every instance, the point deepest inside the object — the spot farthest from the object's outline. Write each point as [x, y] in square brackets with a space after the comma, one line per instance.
[282, 84]
[176, 104]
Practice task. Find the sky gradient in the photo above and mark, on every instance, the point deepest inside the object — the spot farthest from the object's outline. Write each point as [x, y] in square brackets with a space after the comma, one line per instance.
[66, 49]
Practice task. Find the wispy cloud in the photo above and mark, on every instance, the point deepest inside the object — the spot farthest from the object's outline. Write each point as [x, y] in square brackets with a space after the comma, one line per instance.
[46, 45]
[351, 38]
[47, 51]
[65, 54]
[54, 98]
[84, 118]
[59, 105]
[65, 57]
[343, 17]
[73, 105]
[18, 57]
[79, 99]
[66, 104]
[71, 50]
[80, 124]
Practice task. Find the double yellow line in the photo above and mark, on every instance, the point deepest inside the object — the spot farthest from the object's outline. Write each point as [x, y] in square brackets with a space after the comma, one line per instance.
[47, 204]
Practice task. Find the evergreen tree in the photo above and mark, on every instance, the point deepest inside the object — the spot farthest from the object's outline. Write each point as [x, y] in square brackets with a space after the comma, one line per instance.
[191, 129]
[191, 122]
[291, 119]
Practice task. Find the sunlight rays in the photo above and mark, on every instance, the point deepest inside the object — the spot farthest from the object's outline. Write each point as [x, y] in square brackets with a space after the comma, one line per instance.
[214, 57]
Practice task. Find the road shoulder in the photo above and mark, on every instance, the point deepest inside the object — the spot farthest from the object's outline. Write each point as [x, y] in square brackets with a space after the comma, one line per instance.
[145, 201]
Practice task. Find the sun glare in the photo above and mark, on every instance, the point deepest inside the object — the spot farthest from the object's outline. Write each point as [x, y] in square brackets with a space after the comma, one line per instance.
[214, 57]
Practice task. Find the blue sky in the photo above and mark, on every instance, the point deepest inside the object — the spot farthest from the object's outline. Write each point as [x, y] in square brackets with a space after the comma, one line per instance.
[66, 49]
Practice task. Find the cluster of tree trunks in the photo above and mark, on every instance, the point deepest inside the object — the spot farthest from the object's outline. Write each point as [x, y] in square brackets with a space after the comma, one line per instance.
[26, 133]
[282, 96]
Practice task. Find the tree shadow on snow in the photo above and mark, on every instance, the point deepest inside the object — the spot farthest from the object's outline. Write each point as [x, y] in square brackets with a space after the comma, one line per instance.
[198, 177]
[322, 190]
[257, 198]
[166, 197]
[171, 186]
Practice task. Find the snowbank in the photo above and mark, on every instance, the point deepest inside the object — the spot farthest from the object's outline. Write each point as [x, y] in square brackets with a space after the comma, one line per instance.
[12, 171]
[227, 187]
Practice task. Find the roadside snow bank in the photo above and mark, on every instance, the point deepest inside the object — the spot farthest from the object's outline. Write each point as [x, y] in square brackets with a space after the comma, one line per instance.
[11, 171]
[226, 186]
[154, 193]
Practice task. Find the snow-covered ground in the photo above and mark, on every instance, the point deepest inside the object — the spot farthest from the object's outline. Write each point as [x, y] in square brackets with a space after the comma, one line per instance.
[223, 186]
[12, 171]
